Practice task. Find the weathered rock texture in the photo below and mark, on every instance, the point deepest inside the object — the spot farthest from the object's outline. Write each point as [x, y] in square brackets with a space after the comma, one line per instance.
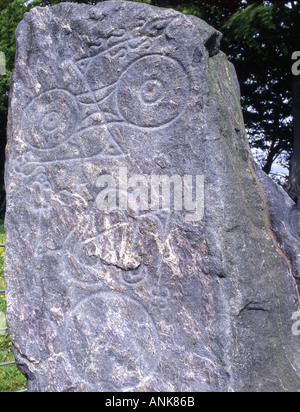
[128, 300]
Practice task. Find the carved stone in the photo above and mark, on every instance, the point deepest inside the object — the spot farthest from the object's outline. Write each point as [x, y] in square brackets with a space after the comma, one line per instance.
[140, 298]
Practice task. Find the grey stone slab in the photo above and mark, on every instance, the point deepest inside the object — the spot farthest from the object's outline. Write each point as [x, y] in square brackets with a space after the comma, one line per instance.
[106, 290]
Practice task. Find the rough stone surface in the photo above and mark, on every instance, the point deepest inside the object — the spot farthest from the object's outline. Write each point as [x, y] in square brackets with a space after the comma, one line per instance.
[150, 300]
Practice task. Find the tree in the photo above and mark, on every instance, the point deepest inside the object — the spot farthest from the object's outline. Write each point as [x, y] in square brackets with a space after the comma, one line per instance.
[261, 47]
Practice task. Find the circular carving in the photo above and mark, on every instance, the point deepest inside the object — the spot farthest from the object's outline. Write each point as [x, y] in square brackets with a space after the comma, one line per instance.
[50, 119]
[153, 91]
[111, 338]
[51, 122]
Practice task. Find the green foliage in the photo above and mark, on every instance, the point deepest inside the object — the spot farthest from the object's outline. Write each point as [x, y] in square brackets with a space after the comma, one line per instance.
[11, 380]
[11, 13]
[249, 23]
[245, 21]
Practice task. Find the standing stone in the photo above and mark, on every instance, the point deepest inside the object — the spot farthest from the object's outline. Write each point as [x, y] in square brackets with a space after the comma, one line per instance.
[106, 289]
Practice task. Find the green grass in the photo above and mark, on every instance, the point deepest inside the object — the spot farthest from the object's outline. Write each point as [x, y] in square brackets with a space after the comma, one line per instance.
[11, 379]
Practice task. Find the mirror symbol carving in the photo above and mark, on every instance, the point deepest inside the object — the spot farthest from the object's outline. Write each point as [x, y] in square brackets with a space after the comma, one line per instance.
[149, 92]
